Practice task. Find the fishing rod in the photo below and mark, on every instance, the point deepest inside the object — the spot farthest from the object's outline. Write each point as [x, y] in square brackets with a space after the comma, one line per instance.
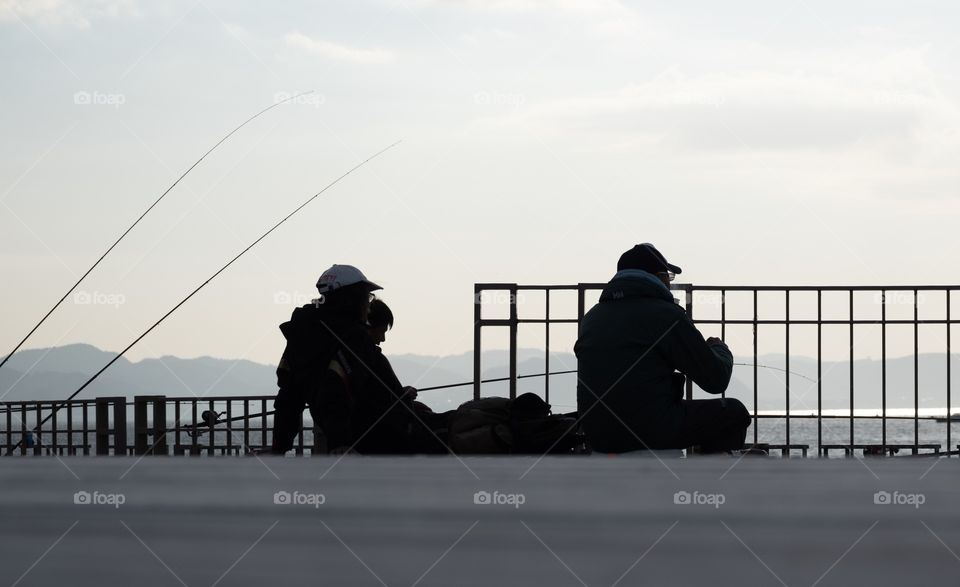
[137, 221]
[777, 369]
[211, 418]
[466, 383]
[201, 286]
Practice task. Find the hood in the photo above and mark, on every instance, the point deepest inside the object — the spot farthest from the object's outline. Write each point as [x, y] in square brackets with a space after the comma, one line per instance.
[635, 283]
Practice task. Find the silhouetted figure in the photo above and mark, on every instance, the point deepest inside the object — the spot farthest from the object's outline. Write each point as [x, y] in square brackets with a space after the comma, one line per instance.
[430, 427]
[634, 349]
[332, 365]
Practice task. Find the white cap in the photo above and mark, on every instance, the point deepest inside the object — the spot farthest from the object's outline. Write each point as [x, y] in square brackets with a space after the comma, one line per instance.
[339, 276]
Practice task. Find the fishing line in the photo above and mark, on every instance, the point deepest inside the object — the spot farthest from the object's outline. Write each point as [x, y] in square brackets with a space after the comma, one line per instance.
[199, 287]
[137, 221]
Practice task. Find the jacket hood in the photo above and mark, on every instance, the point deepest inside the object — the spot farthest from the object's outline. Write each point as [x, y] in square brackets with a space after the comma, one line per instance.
[635, 283]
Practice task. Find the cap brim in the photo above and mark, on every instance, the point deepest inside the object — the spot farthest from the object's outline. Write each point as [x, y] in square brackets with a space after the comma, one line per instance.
[372, 286]
[674, 269]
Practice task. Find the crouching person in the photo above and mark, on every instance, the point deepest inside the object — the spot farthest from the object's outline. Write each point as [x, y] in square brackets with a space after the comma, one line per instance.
[634, 349]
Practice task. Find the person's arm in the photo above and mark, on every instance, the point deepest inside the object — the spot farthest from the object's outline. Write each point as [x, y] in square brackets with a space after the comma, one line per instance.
[709, 363]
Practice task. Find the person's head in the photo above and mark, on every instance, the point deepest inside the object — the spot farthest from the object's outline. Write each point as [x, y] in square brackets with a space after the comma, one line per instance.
[379, 320]
[345, 291]
[647, 258]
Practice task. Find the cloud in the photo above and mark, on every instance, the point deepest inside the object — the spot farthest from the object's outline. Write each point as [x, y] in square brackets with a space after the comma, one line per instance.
[337, 52]
[66, 13]
[876, 103]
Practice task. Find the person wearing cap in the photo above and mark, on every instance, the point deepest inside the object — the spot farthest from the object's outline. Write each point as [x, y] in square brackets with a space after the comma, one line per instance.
[331, 364]
[634, 350]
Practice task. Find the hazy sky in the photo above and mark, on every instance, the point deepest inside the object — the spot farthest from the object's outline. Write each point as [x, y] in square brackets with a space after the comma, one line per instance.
[753, 142]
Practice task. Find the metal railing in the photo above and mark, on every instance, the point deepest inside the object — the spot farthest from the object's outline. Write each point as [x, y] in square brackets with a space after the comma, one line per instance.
[239, 424]
[689, 292]
[156, 424]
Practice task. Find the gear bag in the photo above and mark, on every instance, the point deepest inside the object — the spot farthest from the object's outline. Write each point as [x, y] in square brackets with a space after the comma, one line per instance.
[499, 425]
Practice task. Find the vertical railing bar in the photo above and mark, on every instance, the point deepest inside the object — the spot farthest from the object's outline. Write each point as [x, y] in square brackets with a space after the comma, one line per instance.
[53, 429]
[177, 427]
[263, 423]
[477, 319]
[513, 341]
[916, 372]
[546, 356]
[819, 371]
[193, 439]
[949, 360]
[688, 289]
[38, 441]
[86, 431]
[786, 327]
[723, 323]
[246, 424]
[229, 425]
[10, 427]
[883, 367]
[756, 420]
[70, 408]
[23, 428]
[211, 441]
[852, 421]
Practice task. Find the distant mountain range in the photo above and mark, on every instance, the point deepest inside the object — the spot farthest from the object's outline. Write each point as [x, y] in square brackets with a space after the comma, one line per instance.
[54, 373]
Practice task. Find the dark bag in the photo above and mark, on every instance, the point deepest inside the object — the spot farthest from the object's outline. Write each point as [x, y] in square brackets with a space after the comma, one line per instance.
[498, 425]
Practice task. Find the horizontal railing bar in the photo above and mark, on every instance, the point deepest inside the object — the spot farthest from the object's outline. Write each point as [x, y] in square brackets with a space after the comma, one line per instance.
[814, 322]
[685, 286]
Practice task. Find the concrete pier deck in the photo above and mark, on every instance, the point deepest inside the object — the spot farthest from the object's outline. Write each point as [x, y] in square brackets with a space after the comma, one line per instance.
[417, 521]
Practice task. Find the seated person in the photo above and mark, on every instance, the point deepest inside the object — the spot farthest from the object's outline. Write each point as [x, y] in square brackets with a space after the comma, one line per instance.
[332, 365]
[630, 348]
[379, 320]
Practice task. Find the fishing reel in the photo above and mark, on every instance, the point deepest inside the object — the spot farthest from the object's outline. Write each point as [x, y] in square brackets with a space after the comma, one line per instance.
[209, 418]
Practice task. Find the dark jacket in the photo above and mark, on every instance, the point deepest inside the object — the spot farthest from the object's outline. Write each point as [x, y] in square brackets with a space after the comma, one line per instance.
[630, 346]
[333, 365]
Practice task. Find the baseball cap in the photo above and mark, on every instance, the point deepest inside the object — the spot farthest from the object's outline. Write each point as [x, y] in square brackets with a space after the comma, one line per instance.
[339, 276]
[646, 257]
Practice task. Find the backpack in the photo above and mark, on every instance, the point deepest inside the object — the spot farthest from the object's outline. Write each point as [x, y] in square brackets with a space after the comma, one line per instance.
[499, 425]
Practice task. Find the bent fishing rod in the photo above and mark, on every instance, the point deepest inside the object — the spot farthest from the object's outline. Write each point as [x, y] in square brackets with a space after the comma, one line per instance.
[137, 221]
[198, 288]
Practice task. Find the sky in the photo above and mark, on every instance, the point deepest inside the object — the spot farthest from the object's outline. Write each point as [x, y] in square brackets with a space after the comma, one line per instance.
[755, 143]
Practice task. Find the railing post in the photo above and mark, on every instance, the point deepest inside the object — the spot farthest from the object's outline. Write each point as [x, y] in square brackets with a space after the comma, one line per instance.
[477, 313]
[513, 341]
[688, 289]
[150, 433]
[117, 433]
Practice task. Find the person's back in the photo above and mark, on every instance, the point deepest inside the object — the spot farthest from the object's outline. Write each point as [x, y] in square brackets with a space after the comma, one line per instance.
[629, 349]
